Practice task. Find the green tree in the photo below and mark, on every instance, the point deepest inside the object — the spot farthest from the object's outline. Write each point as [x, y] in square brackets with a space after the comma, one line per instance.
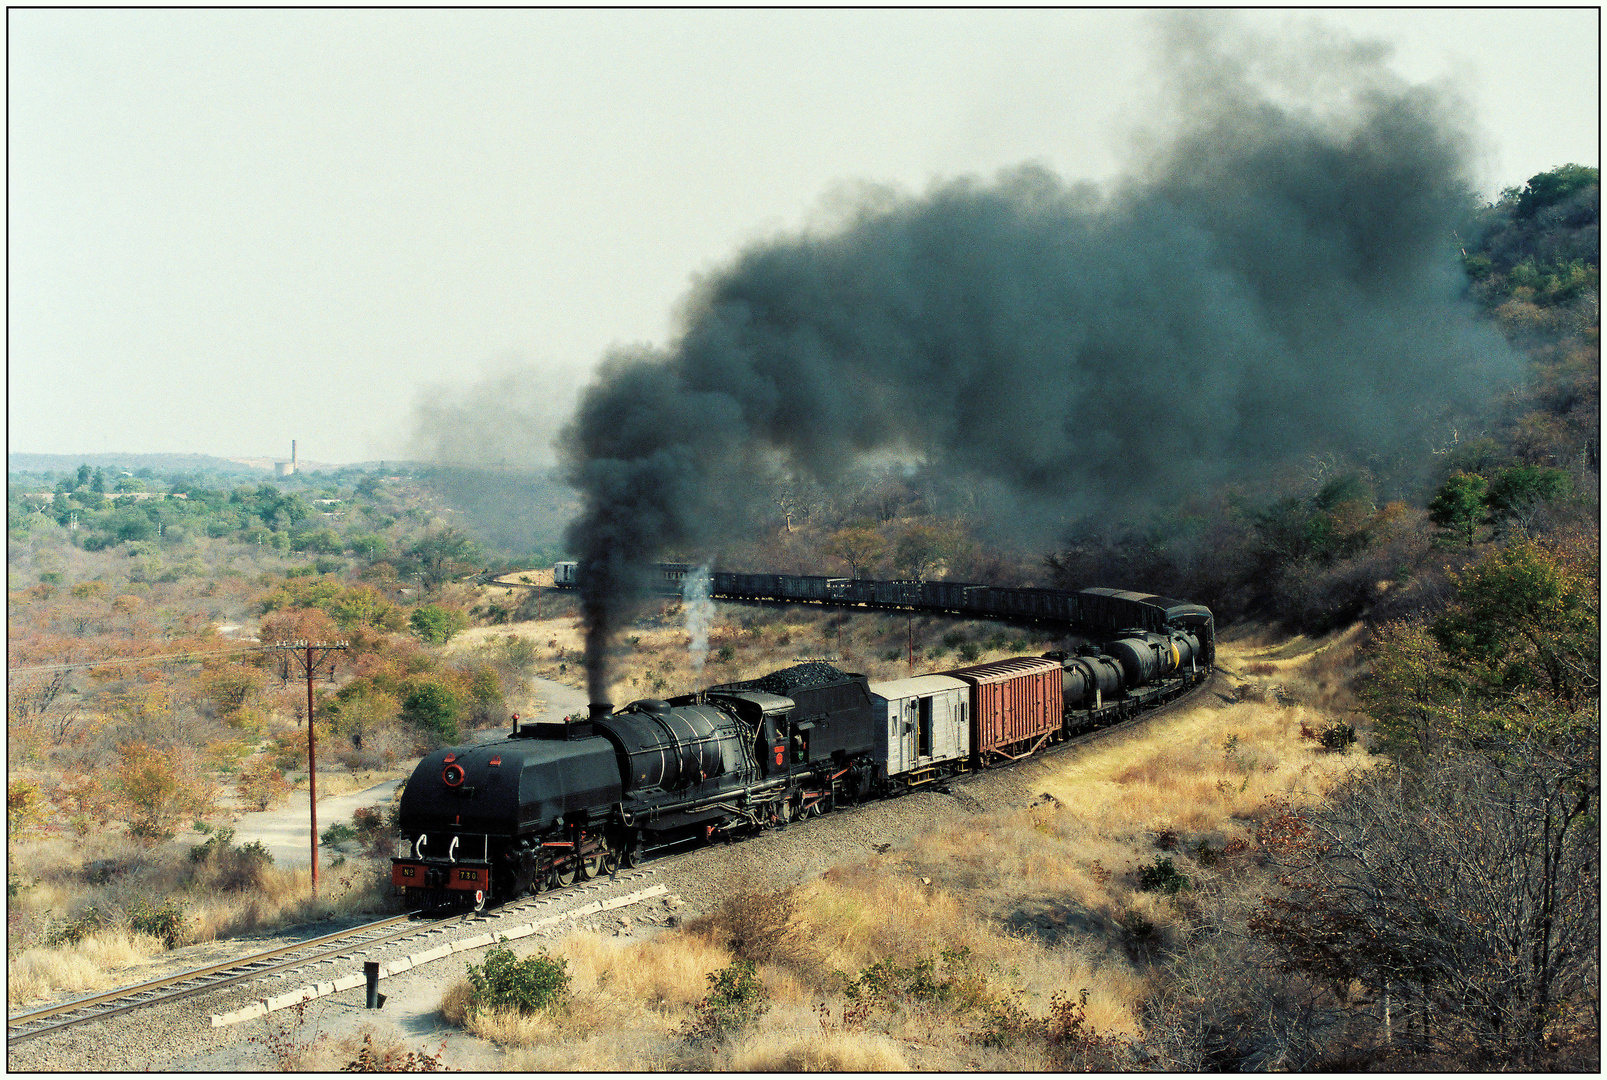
[431, 706]
[1552, 187]
[361, 706]
[361, 605]
[320, 542]
[922, 547]
[1527, 618]
[1458, 507]
[367, 545]
[1519, 494]
[859, 547]
[435, 624]
[232, 688]
[1520, 637]
[485, 694]
[442, 556]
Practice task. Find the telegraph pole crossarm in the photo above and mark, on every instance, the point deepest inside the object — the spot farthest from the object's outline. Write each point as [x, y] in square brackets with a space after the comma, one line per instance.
[311, 655]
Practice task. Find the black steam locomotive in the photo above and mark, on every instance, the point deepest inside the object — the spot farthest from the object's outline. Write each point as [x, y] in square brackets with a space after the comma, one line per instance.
[558, 802]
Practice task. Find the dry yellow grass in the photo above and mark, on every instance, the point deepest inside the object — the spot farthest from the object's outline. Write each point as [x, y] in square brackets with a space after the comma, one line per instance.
[1202, 768]
[284, 897]
[791, 1041]
[670, 970]
[99, 961]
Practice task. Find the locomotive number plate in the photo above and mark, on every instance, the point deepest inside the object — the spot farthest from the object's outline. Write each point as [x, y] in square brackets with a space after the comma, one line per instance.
[468, 875]
[407, 871]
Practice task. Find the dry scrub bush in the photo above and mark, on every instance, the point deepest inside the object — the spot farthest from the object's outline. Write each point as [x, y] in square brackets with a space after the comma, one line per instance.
[370, 1049]
[754, 924]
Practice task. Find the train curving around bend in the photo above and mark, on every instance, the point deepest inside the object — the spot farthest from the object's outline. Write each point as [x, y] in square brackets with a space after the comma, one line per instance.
[557, 802]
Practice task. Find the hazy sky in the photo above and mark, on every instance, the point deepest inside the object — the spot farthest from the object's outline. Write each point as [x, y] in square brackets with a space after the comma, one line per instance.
[229, 229]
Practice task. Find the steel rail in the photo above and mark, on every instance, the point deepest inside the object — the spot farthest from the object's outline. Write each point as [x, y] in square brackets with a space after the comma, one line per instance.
[154, 987]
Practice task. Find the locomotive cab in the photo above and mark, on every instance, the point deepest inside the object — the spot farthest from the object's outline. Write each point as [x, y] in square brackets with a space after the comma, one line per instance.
[769, 717]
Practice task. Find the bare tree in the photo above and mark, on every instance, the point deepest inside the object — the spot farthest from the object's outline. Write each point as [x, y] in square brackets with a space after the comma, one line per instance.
[1467, 886]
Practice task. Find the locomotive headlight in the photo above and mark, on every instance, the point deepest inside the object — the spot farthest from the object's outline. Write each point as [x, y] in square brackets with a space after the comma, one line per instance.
[453, 775]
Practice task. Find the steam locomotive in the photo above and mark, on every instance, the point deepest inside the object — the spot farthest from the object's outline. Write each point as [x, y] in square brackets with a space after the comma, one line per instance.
[559, 802]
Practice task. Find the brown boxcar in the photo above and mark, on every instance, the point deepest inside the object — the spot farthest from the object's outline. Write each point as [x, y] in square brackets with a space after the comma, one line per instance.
[1015, 705]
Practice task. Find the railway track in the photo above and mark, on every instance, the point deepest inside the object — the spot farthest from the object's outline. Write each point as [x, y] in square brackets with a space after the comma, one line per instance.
[26, 1025]
[35, 1022]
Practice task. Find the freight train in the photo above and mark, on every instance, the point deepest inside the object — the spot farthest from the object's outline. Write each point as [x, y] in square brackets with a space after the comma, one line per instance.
[557, 802]
[1097, 611]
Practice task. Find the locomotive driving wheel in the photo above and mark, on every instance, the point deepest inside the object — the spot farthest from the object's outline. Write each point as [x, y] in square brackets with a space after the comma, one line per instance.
[608, 860]
[567, 870]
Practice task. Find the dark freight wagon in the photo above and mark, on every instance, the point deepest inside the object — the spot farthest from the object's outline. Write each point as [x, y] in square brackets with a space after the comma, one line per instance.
[1016, 705]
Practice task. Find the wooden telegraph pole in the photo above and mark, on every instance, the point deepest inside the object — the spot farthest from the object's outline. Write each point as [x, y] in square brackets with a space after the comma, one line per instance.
[311, 654]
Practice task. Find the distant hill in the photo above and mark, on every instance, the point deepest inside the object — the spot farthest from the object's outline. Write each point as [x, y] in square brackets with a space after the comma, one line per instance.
[165, 464]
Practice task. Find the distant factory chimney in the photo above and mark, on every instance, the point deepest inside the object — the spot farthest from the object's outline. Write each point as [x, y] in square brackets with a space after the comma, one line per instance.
[287, 468]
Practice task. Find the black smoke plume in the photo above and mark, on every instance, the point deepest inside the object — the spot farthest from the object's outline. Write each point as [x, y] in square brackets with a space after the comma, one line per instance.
[1274, 280]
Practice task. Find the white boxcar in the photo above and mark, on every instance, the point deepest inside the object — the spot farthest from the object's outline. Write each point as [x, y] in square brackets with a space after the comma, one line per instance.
[926, 719]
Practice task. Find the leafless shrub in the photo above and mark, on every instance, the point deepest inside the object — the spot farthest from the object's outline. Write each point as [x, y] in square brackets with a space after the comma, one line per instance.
[754, 924]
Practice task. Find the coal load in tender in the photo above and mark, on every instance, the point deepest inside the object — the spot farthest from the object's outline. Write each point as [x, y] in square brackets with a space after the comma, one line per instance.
[832, 708]
[798, 677]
